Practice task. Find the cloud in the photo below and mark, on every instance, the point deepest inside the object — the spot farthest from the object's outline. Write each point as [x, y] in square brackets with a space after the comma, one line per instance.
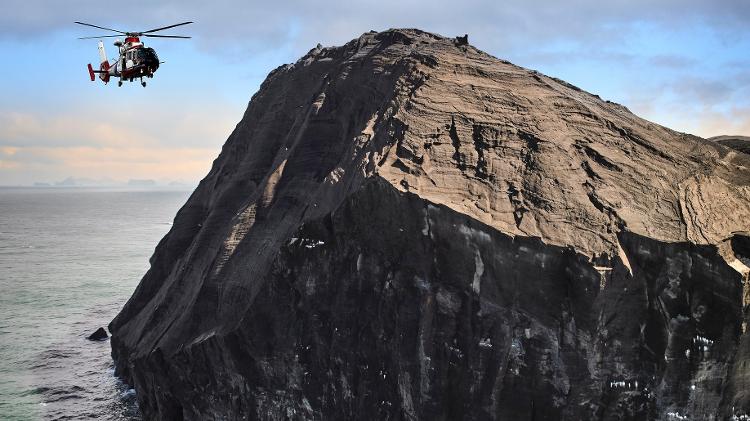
[734, 122]
[8, 165]
[708, 92]
[8, 151]
[693, 109]
[252, 26]
[175, 126]
[672, 61]
[25, 129]
[171, 142]
[49, 164]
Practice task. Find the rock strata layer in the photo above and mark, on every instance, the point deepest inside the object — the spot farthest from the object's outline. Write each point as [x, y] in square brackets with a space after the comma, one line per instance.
[406, 227]
[739, 143]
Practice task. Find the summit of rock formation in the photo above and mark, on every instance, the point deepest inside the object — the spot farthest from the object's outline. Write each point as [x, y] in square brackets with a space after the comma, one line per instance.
[405, 227]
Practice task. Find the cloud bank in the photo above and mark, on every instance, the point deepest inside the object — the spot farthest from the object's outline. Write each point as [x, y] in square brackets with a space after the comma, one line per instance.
[681, 63]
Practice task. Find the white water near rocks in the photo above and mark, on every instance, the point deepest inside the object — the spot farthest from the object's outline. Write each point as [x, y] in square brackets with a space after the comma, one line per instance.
[69, 260]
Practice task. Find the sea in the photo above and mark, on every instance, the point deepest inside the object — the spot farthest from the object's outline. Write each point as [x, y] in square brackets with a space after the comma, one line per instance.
[69, 260]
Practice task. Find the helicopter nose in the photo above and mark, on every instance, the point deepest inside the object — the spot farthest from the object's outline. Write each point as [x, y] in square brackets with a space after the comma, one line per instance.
[152, 64]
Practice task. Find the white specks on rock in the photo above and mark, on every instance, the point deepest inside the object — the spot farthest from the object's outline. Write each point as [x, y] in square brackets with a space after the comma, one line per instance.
[700, 340]
[516, 349]
[624, 384]
[421, 284]
[314, 243]
[306, 242]
[335, 175]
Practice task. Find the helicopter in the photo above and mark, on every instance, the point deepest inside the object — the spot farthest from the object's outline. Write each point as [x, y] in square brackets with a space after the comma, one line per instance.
[135, 60]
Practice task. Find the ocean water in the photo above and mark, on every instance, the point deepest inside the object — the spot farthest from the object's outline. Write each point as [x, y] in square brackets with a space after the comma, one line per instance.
[69, 259]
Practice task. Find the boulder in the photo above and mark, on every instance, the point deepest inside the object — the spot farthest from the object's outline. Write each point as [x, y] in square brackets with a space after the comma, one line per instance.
[99, 335]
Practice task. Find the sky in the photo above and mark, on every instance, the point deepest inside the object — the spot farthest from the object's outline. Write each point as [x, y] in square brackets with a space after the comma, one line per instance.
[684, 64]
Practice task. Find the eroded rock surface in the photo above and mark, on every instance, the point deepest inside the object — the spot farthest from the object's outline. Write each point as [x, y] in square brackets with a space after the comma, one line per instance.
[739, 143]
[405, 227]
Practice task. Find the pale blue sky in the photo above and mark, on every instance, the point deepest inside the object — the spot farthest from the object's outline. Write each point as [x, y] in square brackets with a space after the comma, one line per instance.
[684, 64]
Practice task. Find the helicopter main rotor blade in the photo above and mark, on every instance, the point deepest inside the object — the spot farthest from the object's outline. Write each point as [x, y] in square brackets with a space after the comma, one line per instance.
[165, 36]
[101, 36]
[100, 27]
[166, 27]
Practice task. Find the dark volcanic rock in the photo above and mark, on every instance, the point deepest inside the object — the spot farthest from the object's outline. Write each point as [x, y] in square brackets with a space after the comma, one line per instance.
[99, 335]
[408, 228]
[739, 143]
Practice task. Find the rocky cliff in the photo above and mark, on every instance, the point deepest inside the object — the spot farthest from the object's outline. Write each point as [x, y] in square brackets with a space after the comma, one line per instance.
[739, 143]
[406, 227]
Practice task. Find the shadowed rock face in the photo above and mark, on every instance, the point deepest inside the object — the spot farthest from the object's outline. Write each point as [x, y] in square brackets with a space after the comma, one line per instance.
[405, 227]
[739, 143]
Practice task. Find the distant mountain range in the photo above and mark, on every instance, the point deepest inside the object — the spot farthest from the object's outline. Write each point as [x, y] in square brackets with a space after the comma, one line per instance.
[108, 182]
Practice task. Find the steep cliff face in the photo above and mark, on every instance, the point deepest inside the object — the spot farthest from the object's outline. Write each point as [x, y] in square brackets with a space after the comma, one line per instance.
[406, 227]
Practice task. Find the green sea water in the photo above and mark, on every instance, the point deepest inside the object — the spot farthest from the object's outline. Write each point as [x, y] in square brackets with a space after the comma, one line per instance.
[69, 260]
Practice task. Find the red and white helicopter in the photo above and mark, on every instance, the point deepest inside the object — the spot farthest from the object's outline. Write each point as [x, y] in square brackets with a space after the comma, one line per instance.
[135, 60]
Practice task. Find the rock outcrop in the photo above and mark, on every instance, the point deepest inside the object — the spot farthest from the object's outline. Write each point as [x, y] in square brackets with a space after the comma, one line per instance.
[98, 335]
[739, 143]
[405, 227]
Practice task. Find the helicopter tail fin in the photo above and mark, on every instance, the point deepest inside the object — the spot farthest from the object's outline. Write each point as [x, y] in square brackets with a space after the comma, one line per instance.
[103, 65]
[102, 53]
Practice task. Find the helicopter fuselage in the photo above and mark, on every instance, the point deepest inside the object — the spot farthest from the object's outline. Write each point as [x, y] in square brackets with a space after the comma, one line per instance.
[135, 60]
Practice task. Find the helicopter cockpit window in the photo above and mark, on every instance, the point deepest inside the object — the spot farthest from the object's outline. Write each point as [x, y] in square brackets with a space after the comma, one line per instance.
[147, 54]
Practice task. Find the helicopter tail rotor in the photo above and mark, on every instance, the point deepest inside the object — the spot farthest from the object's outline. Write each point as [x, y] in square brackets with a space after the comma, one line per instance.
[103, 72]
